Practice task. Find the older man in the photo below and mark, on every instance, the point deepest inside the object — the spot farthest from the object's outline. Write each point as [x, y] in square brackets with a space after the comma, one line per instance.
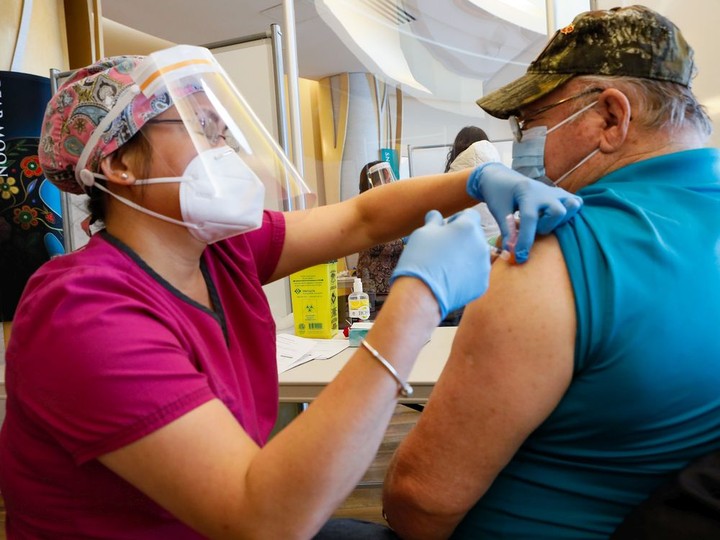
[583, 378]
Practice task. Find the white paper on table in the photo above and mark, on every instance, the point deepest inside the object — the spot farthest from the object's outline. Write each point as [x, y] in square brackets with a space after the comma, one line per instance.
[327, 348]
[293, 351]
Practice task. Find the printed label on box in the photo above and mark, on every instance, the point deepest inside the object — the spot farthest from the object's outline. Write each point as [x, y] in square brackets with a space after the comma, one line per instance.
[314, 301]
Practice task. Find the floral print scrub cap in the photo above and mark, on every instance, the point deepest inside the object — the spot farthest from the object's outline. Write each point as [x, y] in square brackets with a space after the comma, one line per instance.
[77, 109]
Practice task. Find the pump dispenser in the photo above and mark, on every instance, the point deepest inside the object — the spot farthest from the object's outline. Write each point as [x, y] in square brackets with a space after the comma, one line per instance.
[359, 302]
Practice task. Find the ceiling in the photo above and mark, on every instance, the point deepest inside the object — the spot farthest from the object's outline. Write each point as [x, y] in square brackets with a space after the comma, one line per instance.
[209, 21]
[452, 46]
[442, 41]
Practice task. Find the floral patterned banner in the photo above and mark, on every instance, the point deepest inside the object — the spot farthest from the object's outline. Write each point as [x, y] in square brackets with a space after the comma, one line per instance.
[30, 216]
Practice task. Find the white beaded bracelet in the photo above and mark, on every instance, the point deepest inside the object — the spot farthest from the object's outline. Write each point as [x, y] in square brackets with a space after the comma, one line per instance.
[404, 389]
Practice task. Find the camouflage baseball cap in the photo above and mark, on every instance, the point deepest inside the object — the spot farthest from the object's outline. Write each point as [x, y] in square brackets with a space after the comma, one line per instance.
[633, 41]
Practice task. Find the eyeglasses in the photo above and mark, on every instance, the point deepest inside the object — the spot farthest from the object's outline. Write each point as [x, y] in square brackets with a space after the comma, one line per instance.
[517, 125]
[209, 127]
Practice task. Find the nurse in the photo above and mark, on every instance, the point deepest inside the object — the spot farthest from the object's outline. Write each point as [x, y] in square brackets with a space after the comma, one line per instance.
[141, 373]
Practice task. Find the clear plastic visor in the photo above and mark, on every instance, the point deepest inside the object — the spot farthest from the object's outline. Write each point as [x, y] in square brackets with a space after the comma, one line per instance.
[211, 113]
[380, 174]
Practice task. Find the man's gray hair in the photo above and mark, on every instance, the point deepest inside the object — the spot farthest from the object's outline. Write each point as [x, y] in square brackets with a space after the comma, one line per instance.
[663, 105]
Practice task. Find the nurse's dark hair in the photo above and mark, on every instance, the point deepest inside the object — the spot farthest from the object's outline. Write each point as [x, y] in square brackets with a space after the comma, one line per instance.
[141, 151]
[465, 137]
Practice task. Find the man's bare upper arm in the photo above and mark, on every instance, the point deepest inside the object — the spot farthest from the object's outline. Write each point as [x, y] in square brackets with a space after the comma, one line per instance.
[510, 364]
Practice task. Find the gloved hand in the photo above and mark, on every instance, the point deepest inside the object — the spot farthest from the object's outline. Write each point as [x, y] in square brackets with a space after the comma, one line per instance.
[542, 208]
[452, 259]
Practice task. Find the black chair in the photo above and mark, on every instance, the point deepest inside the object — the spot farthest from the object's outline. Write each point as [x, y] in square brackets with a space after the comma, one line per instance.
[686, 507]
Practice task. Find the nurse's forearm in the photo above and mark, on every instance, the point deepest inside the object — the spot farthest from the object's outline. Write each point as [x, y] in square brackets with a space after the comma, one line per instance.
[397, 209]
[319, 458]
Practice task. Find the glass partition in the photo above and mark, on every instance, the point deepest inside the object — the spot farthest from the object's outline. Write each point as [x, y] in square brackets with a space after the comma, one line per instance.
[441, 57]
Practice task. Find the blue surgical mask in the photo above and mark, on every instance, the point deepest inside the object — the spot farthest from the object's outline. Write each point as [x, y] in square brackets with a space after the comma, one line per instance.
[528, 154]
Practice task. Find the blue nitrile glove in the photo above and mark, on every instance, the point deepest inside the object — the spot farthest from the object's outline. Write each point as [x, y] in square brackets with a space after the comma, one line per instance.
[453, 258]
[542, 208]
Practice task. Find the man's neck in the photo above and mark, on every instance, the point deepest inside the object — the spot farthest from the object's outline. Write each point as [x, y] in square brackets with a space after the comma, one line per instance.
[639, 147]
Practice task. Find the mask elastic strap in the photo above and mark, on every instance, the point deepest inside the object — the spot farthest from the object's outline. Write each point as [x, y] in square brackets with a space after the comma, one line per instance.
[160, 180]
[572, 116]
[583, 160]
[144, 210]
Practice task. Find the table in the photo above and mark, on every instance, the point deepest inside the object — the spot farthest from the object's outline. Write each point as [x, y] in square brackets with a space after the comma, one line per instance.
[303, 383]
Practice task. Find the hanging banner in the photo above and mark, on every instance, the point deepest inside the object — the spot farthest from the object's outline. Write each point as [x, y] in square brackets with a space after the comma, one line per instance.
[390, 155]
[30, 216]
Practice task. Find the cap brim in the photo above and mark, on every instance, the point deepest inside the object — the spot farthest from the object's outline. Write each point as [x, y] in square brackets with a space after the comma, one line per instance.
[508, 100]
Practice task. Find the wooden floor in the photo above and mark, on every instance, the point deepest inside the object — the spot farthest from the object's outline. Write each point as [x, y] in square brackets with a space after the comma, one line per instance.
[365, 502]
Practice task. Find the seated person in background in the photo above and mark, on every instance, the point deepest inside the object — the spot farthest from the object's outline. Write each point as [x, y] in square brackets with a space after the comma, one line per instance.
[470, 149]
[378, 262]
[585, 378]
[478, 139]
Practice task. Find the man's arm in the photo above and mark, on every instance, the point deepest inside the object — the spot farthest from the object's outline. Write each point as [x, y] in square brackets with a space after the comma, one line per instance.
[510, 364]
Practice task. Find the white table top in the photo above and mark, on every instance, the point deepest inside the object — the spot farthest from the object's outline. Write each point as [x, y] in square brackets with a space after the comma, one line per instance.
[303, 383]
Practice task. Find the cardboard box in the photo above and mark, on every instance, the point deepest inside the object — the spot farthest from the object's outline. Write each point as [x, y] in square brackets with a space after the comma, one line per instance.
[358, 331]
[314, 301]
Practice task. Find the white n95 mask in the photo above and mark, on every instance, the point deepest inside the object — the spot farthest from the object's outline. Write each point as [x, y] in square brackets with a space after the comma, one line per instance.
[220, 196]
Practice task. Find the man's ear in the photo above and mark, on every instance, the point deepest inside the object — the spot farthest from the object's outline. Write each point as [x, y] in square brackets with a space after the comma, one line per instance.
[116, 170]
[616, 110]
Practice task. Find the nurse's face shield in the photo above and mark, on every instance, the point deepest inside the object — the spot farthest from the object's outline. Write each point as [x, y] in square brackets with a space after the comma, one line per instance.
[213, 113]
[380, 174]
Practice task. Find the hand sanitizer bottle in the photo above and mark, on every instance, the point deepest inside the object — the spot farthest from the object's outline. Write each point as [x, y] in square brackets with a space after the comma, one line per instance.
[358, 302]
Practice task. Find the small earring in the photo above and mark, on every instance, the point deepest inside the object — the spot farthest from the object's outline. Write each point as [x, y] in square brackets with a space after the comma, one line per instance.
[124, 176]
